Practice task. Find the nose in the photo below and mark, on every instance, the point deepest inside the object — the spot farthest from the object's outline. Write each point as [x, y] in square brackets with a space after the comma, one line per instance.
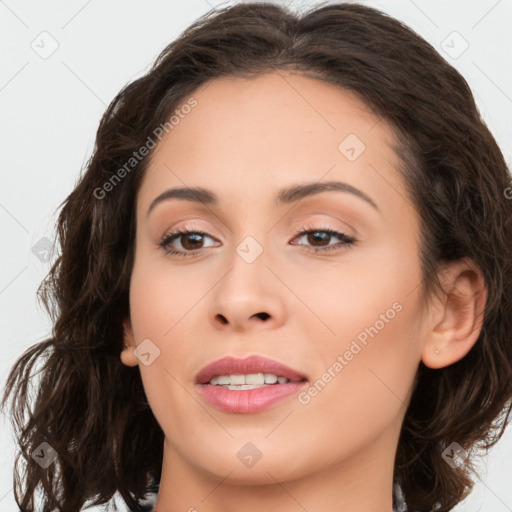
[248, 297]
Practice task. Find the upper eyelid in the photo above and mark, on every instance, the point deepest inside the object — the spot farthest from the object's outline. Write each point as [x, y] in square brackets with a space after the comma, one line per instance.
[315, 224]
[184, 230]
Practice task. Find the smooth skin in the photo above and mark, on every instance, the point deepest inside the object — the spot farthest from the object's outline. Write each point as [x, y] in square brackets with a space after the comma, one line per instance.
[245, 141]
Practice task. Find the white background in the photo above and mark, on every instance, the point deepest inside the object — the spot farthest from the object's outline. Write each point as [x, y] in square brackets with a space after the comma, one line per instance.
[50, 109]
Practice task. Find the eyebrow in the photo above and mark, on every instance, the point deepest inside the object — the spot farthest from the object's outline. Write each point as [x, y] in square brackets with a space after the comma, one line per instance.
[285, 196]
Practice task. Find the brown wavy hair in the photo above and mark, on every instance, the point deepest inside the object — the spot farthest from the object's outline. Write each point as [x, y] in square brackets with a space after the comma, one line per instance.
[92, 409]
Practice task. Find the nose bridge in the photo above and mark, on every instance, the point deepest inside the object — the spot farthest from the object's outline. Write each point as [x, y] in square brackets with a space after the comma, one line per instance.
[250, 247]
[248, 275]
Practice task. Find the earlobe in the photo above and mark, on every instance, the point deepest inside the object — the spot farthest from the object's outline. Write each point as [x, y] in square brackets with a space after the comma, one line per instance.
[457, 324]
[127, 354]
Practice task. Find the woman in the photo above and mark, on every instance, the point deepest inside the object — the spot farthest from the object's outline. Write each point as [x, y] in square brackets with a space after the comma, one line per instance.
[285, 280]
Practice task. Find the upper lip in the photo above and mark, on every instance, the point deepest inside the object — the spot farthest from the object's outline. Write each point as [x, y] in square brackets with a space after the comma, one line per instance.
[230, 365]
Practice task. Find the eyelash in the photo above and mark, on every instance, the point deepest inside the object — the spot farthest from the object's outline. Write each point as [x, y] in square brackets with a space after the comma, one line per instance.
[168, 238]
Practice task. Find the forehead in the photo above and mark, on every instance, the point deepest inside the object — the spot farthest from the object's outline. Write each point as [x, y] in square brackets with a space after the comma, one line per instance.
[270, 130]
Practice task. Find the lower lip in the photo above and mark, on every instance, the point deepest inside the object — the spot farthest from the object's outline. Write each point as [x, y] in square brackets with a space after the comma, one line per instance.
[250, 400]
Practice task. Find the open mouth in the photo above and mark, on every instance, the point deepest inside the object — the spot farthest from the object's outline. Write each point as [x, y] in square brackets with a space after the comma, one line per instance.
[248, 385]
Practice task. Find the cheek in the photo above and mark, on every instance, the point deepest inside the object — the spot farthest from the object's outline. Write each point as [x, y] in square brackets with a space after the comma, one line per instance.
[162, 295]
[164, 380]
[366, 288]
[159, 304]
[362, 388]
[365, 336]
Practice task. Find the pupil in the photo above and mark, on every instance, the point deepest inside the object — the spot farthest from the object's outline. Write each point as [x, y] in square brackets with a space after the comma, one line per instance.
[196, 241]
[318, 236]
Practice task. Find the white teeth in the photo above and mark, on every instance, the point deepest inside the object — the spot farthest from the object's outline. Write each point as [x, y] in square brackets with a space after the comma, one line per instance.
[249, 381]
[237, 380]
[255, 378]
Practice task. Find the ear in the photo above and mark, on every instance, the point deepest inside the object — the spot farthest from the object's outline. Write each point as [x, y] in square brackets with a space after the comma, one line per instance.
[456, 317]
[127, 355]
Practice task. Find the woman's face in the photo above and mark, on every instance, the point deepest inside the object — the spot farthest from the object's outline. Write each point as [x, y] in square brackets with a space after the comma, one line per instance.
[348, 317]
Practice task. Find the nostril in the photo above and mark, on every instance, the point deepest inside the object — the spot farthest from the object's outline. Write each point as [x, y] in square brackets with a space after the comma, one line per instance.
[222, 318]
[263, 316]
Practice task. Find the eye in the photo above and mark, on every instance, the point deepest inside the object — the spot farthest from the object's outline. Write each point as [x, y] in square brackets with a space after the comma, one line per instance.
[190, 240]
[319, 239]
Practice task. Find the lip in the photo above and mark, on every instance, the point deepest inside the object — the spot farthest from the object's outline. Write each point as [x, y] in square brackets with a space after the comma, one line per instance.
[250, 400]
